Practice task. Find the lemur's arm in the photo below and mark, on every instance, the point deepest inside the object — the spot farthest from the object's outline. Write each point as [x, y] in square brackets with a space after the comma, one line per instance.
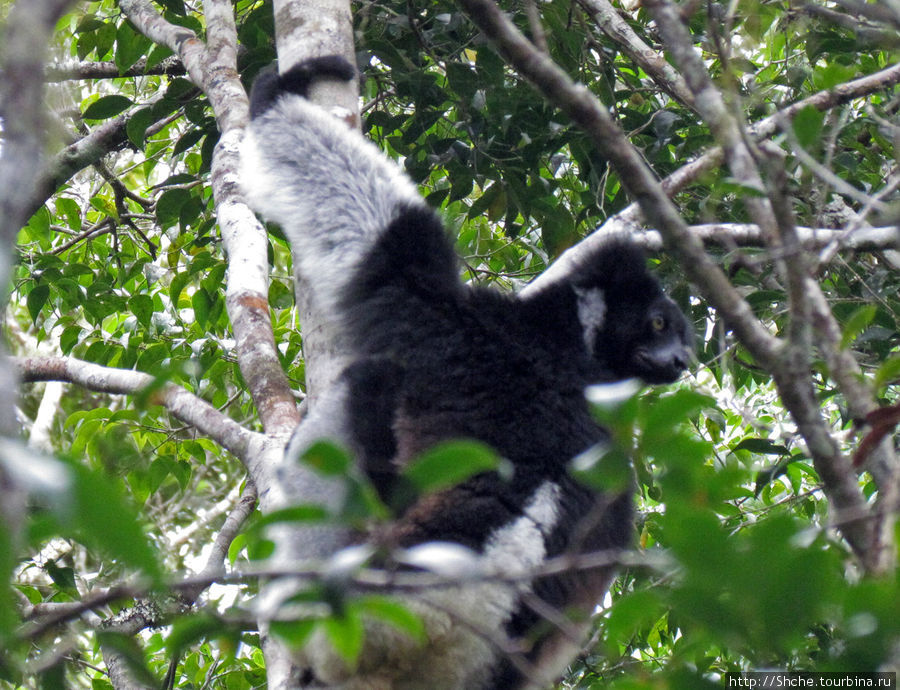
[332, 192]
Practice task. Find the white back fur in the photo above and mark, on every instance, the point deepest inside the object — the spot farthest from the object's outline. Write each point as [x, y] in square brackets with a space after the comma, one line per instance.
[591, 314]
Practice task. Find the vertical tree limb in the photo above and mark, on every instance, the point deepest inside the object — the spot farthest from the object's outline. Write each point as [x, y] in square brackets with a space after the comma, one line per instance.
[304, 29]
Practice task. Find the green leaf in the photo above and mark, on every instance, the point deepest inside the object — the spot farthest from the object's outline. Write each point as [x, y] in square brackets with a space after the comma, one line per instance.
[8, 560]
[142, 307]
[108, 522]
[761, 446]
[391, 611]
[202, 303]
[88, 23]
[158, 471]
[740, 188]
[327, 459]
[603, 468]
[807, 125]
[136, 127]
[130, 46]
[667, 412]
[888, 372]
[69, 208]
[295, 633]
[157, 54]
[63, 576]
[106, 107]
[630, 614]
[347, 634]
[38, 227]
[302, 513]
[449, 463]
[36, 300]
[168, 207]
[105, 206]
[462, 79]
[176, 287]
[281, 296]
[190, 138]
[857, 323]
[187, 630]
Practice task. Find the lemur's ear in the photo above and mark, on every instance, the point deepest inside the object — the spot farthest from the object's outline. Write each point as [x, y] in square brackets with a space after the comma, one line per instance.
[269, 85]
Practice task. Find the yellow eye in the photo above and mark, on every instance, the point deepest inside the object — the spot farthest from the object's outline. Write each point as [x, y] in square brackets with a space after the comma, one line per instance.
[658, 324]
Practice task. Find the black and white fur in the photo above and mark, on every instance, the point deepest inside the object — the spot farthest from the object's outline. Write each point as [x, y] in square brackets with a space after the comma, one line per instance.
[434, 359]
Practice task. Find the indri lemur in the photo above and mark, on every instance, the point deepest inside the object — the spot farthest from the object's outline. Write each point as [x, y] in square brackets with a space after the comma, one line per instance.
[435, 359]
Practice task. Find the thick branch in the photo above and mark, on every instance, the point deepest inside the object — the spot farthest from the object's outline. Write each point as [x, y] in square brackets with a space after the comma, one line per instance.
[630, 219]
[823, 100]
[304, 29]
[730, 235]
[22, 46]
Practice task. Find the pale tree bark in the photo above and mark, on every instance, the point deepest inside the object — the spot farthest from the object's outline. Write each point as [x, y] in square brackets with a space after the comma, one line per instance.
[23, 44]
[304, 29]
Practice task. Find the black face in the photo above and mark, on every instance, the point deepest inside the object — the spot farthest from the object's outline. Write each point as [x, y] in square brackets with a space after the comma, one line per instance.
[650, 340]
[630, 327]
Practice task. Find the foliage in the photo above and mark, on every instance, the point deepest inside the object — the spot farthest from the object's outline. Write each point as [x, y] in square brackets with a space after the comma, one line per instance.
[123, 267]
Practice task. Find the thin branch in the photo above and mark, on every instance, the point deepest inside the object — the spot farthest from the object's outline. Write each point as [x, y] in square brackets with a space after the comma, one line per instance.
[68, 71]
[823, 100]
[364, 579]
[664, 74]
[866, 34]
[826, 174]
[724, 126]
[630, 219]
[183, 404]
[235, 521]
[731, 235]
